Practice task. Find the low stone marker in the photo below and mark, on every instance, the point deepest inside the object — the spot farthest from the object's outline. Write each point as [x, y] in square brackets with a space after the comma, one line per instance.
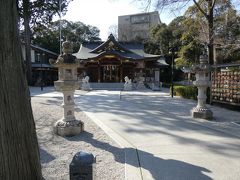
[82, 166]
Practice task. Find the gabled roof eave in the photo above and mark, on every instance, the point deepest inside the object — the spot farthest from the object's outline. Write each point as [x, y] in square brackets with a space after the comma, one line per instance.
[111, 38]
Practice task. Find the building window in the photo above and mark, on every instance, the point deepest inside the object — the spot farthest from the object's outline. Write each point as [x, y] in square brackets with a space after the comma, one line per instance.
[37, 57]
[140, 19]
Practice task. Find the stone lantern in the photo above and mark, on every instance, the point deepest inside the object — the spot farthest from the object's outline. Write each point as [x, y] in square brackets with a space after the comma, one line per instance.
[67, 83]
[140, 83]
[202, 82]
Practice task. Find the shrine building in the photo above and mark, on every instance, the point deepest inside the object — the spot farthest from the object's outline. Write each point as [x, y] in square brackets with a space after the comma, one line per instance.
[111, 61]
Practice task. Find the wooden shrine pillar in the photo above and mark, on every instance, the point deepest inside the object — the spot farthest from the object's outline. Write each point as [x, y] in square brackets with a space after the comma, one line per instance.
[99, 72]
[121, 71]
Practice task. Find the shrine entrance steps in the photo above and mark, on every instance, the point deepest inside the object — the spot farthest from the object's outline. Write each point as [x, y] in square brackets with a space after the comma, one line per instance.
[106, 86]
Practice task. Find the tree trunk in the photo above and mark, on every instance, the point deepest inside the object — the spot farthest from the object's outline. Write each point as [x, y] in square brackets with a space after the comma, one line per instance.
[211, 33]
[19, 153]
[27, 35]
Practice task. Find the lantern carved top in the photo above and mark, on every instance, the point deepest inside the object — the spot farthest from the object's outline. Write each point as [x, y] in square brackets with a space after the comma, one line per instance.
[66, 58]
[67, 47]
[203, 66]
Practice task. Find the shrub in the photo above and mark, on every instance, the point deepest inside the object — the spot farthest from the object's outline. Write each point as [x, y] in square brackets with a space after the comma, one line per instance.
[189, 92]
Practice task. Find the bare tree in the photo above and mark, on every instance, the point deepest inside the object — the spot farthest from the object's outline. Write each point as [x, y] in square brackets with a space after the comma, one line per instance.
[208, 14]
[19, 152]
[113, 29]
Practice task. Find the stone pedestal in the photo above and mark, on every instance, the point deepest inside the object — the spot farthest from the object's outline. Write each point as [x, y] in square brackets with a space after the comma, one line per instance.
[127, 87]
[201, 113]
[68, 125]
[202, 82]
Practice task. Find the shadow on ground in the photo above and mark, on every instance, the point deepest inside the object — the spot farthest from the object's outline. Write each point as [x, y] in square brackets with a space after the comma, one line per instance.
[88, 137]
[166, 168]
[45, 156]
[161, 116]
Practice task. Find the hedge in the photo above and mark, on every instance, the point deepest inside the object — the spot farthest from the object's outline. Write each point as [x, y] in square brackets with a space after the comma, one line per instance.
[189, 92]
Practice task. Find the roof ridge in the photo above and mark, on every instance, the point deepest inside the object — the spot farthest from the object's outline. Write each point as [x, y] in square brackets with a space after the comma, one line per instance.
[111, 42]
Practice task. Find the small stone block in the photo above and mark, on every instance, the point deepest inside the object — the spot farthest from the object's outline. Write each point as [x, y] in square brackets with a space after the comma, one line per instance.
[68, 128]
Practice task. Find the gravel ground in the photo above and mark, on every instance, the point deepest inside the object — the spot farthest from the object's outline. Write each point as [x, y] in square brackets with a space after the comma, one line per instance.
[57, 152]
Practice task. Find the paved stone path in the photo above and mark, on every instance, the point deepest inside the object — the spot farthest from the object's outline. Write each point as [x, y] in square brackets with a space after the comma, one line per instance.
[162, 141]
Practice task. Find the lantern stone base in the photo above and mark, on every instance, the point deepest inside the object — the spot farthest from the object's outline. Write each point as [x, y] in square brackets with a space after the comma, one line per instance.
[203, 113]
[85, 87]
[68, 128]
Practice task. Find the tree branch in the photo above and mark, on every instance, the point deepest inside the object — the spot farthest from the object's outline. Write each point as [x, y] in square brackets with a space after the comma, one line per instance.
[200, 9]
[213, 4]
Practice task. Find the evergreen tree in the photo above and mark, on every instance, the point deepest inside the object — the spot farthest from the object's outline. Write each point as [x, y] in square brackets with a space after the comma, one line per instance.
[76, 32]
[37, 12]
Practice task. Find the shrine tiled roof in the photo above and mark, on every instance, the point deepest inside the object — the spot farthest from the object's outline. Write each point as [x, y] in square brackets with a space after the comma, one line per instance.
[130, 51]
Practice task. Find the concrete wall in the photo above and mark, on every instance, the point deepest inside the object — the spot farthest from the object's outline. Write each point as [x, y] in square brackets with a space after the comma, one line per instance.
[136, 26]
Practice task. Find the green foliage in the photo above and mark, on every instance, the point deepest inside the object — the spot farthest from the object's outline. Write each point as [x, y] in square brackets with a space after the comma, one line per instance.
[191, 32]
[37, 15]
[45, 33]
[47, 38]
[180, 62]
[177, 28]
[152, 48]
[233, 69]
[226, 28]
[228, 54]
[43, 11]
[76, 32]
[189, 92]
[159, 39]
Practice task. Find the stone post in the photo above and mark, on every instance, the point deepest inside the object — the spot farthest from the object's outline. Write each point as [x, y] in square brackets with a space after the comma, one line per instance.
[67, 83]
[202, 82]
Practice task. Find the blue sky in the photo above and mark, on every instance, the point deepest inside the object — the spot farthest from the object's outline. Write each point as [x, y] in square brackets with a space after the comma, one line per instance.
[104, 13]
